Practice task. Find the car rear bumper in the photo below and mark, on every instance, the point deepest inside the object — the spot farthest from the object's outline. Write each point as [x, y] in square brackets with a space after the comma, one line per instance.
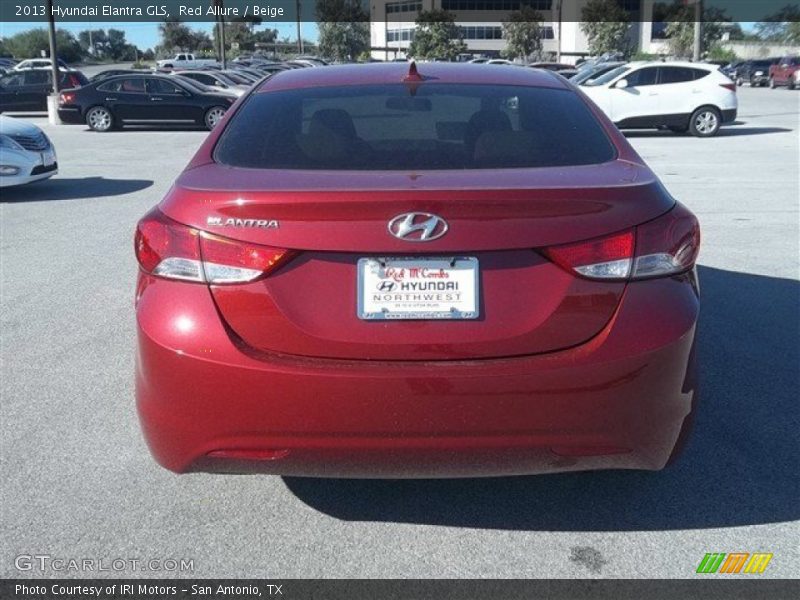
[206, 402]
[729, 115]
[70, 115]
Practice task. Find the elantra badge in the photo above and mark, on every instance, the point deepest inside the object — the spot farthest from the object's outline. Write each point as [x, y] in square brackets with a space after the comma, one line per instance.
[263, 223]
[418, 227]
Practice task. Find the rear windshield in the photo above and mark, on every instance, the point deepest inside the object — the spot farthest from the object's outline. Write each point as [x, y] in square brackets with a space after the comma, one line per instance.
[395, 127]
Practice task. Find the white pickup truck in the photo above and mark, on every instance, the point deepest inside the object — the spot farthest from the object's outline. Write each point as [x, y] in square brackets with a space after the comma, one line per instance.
[185, 61]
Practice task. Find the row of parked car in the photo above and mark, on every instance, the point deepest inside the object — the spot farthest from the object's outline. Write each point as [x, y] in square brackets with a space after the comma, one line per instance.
[774, 72]
[116, 97]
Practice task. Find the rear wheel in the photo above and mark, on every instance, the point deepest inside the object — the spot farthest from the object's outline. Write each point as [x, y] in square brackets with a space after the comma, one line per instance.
[790, 84]
[213, 116]
[705, 122]
[772, 83]
[739, 81]
[99, 118]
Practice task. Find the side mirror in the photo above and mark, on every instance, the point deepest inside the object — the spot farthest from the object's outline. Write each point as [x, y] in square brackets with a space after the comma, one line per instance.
[621, 84]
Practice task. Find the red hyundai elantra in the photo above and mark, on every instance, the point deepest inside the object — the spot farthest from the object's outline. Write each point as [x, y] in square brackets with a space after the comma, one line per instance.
[374, 271]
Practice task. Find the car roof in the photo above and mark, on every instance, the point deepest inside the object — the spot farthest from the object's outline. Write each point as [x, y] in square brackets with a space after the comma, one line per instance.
[388, 73]
[673, 63]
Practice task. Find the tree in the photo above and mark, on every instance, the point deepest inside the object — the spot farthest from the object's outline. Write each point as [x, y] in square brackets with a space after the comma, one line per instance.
[680, 30]
[437, 36]
[175, 36]
[605, 24]
[31, 43]
[523, 34]
[783, 26]
[94, 42]
[343, 29]
[241, 35]
[178, 37]
[118, 46]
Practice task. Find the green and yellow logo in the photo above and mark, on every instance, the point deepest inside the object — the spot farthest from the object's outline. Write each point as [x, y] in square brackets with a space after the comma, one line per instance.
[735, 562]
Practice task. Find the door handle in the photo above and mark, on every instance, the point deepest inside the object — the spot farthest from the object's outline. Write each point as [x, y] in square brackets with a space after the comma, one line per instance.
[155, 98]
[109, 99]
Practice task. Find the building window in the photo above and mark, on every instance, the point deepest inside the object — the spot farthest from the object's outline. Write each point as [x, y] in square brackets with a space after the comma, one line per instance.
[495, 5]
[482, 32]
[400, 35]
[403, 7]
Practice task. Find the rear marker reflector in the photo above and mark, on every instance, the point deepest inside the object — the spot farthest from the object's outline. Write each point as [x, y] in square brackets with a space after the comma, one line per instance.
[261, 455]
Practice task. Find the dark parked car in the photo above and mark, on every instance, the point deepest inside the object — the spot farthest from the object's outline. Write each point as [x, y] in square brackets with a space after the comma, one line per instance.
[594, 71]
[112, 73]
[27, 90]
[754, 72]
[552, 66]
[142, 100]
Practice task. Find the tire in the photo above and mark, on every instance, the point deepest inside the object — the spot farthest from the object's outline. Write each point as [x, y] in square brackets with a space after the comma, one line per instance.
[100, 119]
[772, 85]
[213, 116]
[739, 81]
[705, 122]
[790, 84]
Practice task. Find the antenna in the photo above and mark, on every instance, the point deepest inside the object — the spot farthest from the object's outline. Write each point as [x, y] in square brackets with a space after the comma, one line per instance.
[413, 75]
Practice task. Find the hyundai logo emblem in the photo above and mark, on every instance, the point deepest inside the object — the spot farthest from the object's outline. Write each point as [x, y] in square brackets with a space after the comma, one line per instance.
[418, 227]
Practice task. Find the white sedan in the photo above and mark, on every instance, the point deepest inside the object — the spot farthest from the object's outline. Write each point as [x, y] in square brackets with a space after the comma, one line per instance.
[681, 96]
[26, 153]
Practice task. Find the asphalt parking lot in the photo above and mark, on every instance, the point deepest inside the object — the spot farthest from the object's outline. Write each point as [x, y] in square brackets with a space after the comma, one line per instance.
[78, 482]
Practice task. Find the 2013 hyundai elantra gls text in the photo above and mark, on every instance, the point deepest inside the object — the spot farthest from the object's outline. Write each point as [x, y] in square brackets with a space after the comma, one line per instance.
[392, 271]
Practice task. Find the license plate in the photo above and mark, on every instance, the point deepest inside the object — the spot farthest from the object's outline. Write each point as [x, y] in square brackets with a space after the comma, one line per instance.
[418, 288]
[48, 158]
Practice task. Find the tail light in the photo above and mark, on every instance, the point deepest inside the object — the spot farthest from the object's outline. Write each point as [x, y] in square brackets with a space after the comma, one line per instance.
[66, 98]
[729, 86]
[174, 251]
[662, 247]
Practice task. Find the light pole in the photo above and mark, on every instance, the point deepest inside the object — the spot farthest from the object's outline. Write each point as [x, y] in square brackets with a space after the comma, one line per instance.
[698, 30]
[299, 33]
[221, 32]
[52, 99]
[558, 43]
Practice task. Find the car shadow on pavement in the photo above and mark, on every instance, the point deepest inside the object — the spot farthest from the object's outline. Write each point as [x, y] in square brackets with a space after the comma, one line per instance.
[723, 132]
[66, 188]
[740, 466]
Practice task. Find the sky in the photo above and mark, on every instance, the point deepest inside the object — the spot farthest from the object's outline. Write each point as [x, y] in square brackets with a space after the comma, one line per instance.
[145, 35]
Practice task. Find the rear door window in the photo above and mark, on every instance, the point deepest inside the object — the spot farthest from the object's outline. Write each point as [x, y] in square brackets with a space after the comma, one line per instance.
[37, 77]
[642, 77]
[13, 80]
[676, 75]
[438, 126]
[127, 86]
[159, 86]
